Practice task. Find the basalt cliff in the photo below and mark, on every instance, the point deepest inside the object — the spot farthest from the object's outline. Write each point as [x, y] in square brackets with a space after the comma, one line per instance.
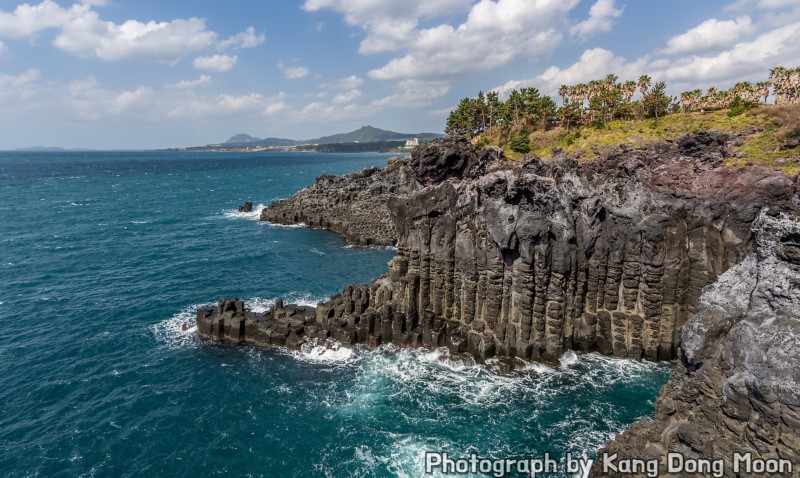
[658, 252]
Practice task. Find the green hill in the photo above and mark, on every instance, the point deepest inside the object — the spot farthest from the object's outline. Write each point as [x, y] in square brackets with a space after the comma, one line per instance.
[247, 140]
[370, 134]
[365, 134]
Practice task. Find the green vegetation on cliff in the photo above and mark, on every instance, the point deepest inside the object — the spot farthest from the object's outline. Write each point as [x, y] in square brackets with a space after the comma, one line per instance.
[606, 113]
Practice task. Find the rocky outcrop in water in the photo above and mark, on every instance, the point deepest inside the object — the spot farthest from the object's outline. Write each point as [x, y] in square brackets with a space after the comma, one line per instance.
[355, 205]
[246, 207]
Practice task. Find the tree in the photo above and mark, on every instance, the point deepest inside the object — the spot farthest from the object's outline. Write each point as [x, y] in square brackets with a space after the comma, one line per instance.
[495, 108]
[628, 90]
[480, 111]
[521, 142]
[462, 121]
[763, 90]
[656, 102]
[514, 106]
[570, 113]
[644, 84]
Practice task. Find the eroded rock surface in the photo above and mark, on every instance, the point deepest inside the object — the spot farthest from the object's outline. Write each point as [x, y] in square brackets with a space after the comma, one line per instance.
[737, 386]
[354, 205]
[658, 252]
[530, 260]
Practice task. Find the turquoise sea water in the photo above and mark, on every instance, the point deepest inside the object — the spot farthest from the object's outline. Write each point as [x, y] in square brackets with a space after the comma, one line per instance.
[105, 256]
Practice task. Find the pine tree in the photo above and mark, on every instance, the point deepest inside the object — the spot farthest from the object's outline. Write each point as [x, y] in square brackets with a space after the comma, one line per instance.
[521, 142]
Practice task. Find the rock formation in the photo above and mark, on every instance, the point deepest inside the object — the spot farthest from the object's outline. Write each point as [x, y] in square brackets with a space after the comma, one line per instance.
[246, 207]
[736, 388]
[355, 205]
[528, 260]
[532, 259]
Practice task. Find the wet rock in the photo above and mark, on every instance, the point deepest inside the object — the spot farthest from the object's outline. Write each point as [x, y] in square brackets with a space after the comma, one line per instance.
[246, 207]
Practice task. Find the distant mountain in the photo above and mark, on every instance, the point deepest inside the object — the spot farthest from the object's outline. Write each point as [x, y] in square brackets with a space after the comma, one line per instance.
[369, 134]
[247, 140]
[243, 138]
[365, 134]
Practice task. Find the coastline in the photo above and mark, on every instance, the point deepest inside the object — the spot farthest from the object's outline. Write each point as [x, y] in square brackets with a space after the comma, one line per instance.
[458, 205]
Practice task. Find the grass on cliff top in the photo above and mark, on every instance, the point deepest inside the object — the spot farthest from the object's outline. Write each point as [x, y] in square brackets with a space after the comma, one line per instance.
[766, 128]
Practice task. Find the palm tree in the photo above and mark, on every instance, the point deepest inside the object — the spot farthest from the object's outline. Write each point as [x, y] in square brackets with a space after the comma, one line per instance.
[794, 85]
[562, 92]
[710, 98]
[779, 77]
[644, 84]
[762, 90]
[628, 90]
[686, 101]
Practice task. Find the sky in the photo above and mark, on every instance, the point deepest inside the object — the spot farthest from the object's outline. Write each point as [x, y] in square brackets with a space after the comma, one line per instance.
[144, 74]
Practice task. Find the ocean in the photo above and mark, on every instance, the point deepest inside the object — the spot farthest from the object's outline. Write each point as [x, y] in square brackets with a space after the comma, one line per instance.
[105, 257]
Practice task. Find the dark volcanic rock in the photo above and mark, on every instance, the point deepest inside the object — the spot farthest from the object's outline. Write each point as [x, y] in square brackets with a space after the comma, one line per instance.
[354, 205]
[450, 157]
[357, 205]
[737, 385]
[529, 260]
[247, 207]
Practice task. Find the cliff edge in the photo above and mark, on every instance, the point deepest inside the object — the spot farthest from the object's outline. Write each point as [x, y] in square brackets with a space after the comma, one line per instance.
[659, 252]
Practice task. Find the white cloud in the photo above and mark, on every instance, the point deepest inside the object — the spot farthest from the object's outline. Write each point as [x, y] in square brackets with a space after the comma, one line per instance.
[221, 105]
[9, 81]
[162, 41]
[28, 20]
[494, 34]
[277, 105]
[320, 112]
[346, 97]
[414, 94]
[82, 32]
[601, 19]
[441, 113]
[749, 61]
[776, 4]
[220, 63]
[245, 39]
[204, 80]
[349, 83]
[756, 57]
[3, 49]
[593, 64]
[293, 72]
[141, 97]
[389, 25]
[710, 35]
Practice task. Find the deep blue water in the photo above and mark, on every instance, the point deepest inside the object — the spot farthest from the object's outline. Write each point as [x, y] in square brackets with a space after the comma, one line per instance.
[103, 259]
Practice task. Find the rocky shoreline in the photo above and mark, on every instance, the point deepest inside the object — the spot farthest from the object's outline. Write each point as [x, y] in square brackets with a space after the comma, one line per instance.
[528, 260]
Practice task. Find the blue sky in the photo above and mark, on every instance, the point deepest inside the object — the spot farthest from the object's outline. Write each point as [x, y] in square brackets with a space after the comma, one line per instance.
[153, 74]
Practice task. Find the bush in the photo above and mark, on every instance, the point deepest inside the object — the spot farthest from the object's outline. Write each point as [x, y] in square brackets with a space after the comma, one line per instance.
[521, 142]
[482, 143]
[738, 107]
